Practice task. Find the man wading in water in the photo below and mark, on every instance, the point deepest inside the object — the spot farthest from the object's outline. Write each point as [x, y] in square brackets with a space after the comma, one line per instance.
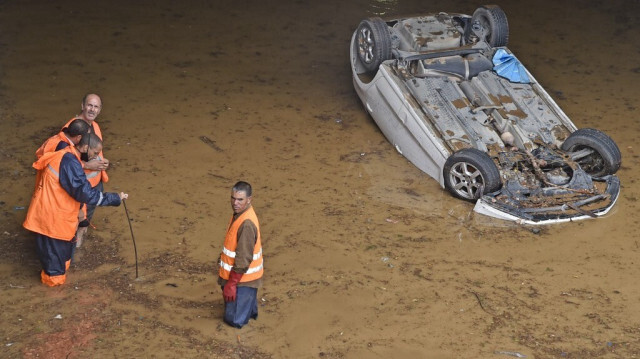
[95, 170]
[240, 273]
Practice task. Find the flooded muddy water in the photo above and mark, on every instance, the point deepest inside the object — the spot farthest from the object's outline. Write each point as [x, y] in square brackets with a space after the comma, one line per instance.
[366, 257]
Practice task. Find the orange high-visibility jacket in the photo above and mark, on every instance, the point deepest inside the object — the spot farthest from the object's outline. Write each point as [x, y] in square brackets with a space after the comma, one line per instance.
[50, 146]
[94, 177]
[52, 212]
[51, 143]
[228, 256]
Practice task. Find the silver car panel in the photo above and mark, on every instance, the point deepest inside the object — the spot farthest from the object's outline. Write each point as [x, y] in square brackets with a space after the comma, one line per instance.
[436, 96]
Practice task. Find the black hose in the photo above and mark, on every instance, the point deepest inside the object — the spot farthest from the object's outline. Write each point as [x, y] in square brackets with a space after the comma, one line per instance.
[135, 249]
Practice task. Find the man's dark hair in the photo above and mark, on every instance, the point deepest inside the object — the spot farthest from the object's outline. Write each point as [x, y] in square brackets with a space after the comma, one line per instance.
[90, 139]
[76, 127]
[242, 186]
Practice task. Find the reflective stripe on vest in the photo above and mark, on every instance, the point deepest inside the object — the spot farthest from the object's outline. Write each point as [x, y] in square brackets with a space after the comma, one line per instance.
[231, 254]
[53, 170]
[93, 177]
[228, 255]
[252, 270]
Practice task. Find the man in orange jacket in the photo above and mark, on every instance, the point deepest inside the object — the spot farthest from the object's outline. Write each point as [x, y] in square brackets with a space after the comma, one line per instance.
[95, 169]
[240, 264]
[70, 135]
[53, 211]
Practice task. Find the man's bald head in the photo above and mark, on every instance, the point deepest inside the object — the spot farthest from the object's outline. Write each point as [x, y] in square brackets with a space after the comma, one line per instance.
[91, 107]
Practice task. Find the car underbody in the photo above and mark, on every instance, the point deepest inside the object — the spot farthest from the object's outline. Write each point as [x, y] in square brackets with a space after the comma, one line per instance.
[452, 99]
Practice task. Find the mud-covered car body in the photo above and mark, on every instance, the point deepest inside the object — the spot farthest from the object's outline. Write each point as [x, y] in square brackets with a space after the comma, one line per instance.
[484, 129]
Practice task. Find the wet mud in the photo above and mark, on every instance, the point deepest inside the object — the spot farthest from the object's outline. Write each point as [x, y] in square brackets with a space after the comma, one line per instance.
[366, 257]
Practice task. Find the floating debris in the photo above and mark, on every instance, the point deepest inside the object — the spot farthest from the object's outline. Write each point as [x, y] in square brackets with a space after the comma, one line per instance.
[513, 354]
[211, 143]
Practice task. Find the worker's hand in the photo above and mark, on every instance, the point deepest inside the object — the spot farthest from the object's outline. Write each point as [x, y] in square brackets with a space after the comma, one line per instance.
[123, 196]
[230, 289]
[97, 165]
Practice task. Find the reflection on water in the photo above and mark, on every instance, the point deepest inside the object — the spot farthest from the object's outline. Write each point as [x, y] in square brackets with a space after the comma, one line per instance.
[382, 7]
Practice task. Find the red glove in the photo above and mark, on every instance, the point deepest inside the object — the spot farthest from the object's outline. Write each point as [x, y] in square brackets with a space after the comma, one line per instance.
[229, 291]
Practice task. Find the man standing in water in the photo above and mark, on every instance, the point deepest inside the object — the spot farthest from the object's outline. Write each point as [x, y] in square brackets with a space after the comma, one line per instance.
[240, 273]
[53, 211]
[95, 169]
[70, 135]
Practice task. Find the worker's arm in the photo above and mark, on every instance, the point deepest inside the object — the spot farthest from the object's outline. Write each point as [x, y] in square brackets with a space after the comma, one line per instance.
[75, 183]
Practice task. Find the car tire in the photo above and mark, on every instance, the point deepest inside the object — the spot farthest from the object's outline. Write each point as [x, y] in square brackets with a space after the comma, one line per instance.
[493, 20]
[470, 173]
[373, 43]
[606, 158]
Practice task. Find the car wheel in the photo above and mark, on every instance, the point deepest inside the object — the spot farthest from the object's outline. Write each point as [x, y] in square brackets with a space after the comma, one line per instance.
[491, 22]
[470, 173]
[374, 43]
[605, 157]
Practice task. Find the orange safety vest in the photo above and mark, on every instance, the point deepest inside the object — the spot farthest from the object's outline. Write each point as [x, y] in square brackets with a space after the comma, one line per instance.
[50, 146]
[52, 211]
[228, 256]
[51, 143]
[94, 177]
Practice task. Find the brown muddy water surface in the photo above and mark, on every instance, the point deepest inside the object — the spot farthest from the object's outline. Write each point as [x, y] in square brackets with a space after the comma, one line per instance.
[366, 257]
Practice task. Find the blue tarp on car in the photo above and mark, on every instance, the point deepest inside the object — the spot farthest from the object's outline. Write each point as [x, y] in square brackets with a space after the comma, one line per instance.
[506, 65]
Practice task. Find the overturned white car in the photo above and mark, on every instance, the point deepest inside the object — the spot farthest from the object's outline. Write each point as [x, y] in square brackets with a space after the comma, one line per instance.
[451, 98]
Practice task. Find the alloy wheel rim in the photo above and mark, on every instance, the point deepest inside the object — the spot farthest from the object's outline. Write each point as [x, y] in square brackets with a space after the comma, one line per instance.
[365, 45]
[466, 180]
